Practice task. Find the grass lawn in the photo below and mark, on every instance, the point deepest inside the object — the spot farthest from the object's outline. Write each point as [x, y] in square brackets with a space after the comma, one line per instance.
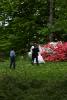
[31, 82]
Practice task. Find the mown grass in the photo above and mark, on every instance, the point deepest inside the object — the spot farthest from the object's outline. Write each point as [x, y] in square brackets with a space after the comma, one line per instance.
[31, 82]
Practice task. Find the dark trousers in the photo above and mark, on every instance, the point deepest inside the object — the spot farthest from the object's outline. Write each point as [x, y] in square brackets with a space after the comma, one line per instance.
[12, 62]
[35, 57]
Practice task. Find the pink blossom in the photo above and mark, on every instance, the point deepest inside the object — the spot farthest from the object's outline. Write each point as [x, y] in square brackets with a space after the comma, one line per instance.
[57, 52]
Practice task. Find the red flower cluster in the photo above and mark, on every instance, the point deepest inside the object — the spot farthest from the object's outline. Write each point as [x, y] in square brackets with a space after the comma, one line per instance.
[54, 51]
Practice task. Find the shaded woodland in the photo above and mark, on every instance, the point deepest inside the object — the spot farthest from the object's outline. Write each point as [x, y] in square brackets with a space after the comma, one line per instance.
[25, 21]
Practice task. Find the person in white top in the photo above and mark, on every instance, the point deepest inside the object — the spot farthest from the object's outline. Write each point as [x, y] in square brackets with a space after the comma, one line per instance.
[40, 58]
[12, 58]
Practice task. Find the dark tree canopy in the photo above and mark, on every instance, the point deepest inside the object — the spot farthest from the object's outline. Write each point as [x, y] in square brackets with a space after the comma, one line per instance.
[25, 21]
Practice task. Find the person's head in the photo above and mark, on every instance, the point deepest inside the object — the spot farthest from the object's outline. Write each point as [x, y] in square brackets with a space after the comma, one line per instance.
[35, 45]
[12, 49]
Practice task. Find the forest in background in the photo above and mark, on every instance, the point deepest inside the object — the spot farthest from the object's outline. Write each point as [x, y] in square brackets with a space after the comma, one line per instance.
[25, 21]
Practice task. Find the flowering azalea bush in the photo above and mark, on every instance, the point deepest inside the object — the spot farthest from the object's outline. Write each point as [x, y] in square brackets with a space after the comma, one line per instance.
[54, 51]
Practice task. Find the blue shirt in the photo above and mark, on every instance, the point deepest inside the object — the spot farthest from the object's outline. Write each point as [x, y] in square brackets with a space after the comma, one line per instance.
[12, 53]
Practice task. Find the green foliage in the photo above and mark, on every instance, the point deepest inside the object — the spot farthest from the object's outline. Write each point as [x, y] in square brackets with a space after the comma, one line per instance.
[44, 31]
[24, 21]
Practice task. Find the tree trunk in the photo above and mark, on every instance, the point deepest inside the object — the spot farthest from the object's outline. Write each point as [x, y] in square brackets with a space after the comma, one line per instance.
[50, 4]
[50, 12]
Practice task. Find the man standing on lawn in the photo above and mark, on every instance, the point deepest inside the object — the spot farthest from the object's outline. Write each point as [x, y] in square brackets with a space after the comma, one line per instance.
[35, 51]
[12, 58]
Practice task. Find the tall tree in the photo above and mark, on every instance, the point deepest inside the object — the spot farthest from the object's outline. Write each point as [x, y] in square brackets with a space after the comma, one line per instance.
[50, 22]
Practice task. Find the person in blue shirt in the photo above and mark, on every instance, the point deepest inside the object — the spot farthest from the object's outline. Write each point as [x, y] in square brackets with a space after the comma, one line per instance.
[12, 58]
